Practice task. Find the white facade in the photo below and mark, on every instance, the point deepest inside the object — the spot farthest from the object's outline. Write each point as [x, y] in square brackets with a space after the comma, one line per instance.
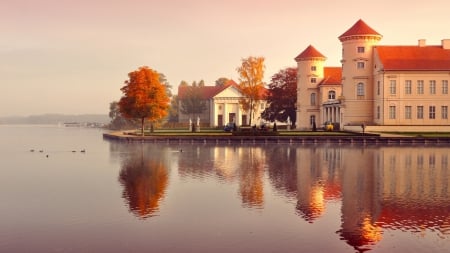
[223, 107]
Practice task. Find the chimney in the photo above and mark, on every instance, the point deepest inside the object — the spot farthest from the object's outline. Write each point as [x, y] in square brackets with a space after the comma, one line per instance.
[422, 43]
[446, 43]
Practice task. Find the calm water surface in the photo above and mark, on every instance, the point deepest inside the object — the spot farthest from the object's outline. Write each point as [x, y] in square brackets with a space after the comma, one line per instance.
[143, 197]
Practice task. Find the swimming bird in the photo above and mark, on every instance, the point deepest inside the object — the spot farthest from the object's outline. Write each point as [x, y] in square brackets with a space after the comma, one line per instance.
[31, 150]
[83, 151]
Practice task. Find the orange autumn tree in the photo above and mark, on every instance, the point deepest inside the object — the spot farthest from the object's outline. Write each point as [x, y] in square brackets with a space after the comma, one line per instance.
[251, 74]
[144, 97]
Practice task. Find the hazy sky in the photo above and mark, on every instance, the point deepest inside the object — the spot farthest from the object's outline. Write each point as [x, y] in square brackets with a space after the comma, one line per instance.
[72, 56]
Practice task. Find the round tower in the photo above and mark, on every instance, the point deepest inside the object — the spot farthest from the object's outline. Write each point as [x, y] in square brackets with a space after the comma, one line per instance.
[310, 64]
[357, 73]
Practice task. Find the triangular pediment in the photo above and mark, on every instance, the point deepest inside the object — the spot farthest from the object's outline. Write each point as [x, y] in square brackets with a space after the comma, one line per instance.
[229, 92]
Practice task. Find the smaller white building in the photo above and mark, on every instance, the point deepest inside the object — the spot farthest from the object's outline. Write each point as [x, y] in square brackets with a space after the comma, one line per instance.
[222, 106]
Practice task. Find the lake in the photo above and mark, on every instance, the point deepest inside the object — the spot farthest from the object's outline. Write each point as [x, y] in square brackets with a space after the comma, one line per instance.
[154, 197]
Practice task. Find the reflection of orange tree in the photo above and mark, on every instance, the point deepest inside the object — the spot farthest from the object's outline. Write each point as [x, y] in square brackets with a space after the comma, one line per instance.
[145, 182]
[251, 178]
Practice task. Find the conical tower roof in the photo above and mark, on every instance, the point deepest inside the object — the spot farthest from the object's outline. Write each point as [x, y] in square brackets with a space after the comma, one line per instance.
[308, 53]
[360, 28]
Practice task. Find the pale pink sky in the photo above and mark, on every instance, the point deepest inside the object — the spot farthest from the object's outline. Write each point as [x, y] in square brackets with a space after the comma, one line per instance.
[72, 56]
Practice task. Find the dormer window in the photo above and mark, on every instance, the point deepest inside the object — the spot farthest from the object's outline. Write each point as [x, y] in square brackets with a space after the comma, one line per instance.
[331, 95]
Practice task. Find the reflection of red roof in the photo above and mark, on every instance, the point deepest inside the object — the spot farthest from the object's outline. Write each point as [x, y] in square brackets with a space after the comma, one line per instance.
[332, 76]
[360, 28]
[414, 215]
[308, 53]
[414, 57]
[332, 190]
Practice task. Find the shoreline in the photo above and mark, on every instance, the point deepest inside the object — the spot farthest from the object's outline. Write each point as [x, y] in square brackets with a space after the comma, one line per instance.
[368, 139]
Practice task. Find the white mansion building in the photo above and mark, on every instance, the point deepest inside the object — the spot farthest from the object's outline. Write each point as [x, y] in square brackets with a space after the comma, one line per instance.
[388, 86]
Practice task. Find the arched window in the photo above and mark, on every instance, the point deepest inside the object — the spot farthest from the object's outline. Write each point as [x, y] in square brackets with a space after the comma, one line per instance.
[331, 94]
[313, 99]
[360, 89]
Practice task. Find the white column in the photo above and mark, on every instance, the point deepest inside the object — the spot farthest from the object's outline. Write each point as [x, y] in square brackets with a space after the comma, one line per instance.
[237, 120]
[225, 116]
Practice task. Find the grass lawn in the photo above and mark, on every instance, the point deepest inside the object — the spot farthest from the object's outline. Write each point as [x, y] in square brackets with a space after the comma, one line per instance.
[215, 132]
[421, 134]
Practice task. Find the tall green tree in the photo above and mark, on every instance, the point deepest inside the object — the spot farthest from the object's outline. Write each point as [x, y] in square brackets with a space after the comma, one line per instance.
[191, 100]
[173, 110]
[163, 81]
[183, 83]
[282, 96]
[251, 74]
[222, 81]
[144, 97]
[118, 122]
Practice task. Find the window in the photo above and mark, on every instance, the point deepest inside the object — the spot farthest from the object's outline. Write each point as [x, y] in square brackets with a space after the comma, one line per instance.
[444, 112]
[391, 112]
[408, 110]
[263, 106]
[444, 86]
[360, 89]
[378, 112]
[393, 87]
[360, 65]
[313, 80]
[313, 99]
[432, 112]
[313, 68]
[361, 49]
[312, 120]
[420, 87]
[408, 87]
[331, 94]
[420, 112]
[432, 87]
[378, 88]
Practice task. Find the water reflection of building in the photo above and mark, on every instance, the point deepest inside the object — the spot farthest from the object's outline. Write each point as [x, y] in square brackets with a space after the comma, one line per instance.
[360, 202]
[415, 191]
[317, 180]
[380, 188]
[394, 188]
[229, 163]
[145, 179]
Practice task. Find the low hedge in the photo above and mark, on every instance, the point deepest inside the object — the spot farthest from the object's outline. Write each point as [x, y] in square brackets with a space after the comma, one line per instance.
[255, 133]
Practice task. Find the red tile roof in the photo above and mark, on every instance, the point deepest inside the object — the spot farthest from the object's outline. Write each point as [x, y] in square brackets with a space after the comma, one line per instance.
[207, 92]
[332, 76]
[308, 53]
[414, 57]
[360, 28]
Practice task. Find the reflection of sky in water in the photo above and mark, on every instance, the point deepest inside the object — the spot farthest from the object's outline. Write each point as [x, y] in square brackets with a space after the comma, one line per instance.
[122, 197]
